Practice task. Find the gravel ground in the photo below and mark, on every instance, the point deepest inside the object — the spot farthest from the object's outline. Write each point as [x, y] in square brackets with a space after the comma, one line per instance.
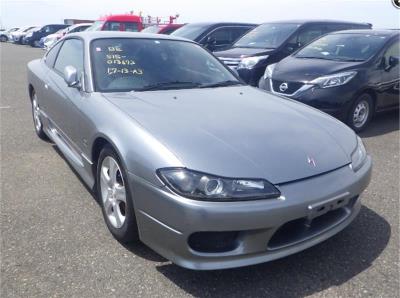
[54, 241]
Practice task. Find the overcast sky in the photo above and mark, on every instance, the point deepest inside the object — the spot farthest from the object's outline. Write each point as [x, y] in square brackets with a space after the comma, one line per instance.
[381, 13]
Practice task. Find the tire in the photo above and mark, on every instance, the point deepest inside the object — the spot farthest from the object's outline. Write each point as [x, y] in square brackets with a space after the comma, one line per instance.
[3, 38]
[114, 196]
[37, 121]
[361, 112]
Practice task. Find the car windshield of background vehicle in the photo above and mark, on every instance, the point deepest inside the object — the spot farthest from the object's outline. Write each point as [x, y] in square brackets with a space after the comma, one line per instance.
[121, 26]
[266, 36]
[189, 31]
[96, 26]
[127, 64]
[343, 47]
[151, 29]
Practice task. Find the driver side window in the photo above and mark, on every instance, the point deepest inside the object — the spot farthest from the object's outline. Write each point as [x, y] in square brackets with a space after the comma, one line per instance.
[71, 53]
[305, 36]
[393, 50]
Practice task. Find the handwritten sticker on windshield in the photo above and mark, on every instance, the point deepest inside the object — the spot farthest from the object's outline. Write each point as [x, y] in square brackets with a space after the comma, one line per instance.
[119, 59]
[119, 63]
[124, 70]
[115, 49]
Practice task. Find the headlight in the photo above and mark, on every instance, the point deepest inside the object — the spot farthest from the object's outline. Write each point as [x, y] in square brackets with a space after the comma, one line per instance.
[334, 80]
[358, 157]
[201, 186]
[250, 62]
[269, 70]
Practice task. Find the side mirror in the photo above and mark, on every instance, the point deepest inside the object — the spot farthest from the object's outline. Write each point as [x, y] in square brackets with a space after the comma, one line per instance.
[392, 62]
[71, 77]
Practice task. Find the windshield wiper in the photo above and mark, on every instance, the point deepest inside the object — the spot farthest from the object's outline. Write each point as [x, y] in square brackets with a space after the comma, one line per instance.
[312, 57]
[169, 85]
[221, 84]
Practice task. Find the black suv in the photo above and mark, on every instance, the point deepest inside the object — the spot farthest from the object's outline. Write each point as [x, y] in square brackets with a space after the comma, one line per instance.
[349, 74]
[214, 36]
[34, 37]
[271, 42]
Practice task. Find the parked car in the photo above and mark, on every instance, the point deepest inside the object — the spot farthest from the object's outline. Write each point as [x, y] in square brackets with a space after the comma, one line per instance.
[16, 36]
[47, 41]
[4, 35]
[34, 37]
[271, 42]
[162, 28]
[120, 22]
[28, 34]
[213, 36]
[348, 74]
[209, 170]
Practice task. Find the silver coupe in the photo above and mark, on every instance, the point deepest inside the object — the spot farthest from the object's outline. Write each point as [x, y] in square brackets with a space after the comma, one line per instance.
[208, 172]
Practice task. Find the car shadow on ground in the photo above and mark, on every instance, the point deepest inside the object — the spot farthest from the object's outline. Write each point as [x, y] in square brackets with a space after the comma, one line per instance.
[382, 123]
[328, 264]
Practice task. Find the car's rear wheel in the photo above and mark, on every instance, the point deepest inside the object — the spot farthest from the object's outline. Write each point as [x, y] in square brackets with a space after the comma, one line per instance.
[361, 112]
[3, 38]
[37, 120]
[115, 198]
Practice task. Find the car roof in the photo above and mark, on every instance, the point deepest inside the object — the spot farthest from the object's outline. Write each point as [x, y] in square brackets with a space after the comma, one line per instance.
[302, 22]
[91, 35]
[386, 32]
[209, 24]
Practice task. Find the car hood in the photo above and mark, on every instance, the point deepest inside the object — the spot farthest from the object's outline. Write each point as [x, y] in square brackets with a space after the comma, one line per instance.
[241, 131]
[242, 52]
[306, 69]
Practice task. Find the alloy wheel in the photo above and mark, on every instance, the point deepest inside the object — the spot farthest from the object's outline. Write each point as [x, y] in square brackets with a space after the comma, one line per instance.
[36, 113]
[113, 192]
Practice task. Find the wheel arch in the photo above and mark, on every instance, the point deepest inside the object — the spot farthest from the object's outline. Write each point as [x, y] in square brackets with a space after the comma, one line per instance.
[98, 144]
[30, 91]
[370, 92]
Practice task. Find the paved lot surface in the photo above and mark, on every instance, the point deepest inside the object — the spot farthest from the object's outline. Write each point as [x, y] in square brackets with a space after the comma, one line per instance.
[54, 241]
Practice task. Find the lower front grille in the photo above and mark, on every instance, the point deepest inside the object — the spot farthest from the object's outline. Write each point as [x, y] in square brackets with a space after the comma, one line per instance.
[301, 229]
[213, 242]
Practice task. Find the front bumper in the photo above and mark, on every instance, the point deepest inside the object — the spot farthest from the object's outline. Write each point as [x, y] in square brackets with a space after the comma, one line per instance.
[266, 229]
[335, 101]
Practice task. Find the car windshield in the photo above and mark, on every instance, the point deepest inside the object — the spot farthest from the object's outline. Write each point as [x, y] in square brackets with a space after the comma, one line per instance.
[343, 47]
[190, 31]
[266, 36]
[151, 29]
[128, 64]
[96, 26]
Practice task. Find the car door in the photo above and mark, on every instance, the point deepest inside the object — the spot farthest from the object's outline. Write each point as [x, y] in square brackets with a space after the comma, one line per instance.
[390, 77]
[62, 100]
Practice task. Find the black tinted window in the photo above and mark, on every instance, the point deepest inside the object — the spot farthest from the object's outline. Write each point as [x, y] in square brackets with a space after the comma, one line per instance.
[306, 35]
[71, 53]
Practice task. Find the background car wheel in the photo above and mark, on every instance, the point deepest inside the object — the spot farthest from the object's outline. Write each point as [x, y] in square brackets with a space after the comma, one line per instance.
[361, 112]
[3, 38]
[115, 198]
[37, 121]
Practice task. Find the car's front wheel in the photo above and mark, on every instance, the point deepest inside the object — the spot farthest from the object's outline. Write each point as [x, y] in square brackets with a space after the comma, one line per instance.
[115, 198]
[37, 121]
[3, 38]
[361, 112]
